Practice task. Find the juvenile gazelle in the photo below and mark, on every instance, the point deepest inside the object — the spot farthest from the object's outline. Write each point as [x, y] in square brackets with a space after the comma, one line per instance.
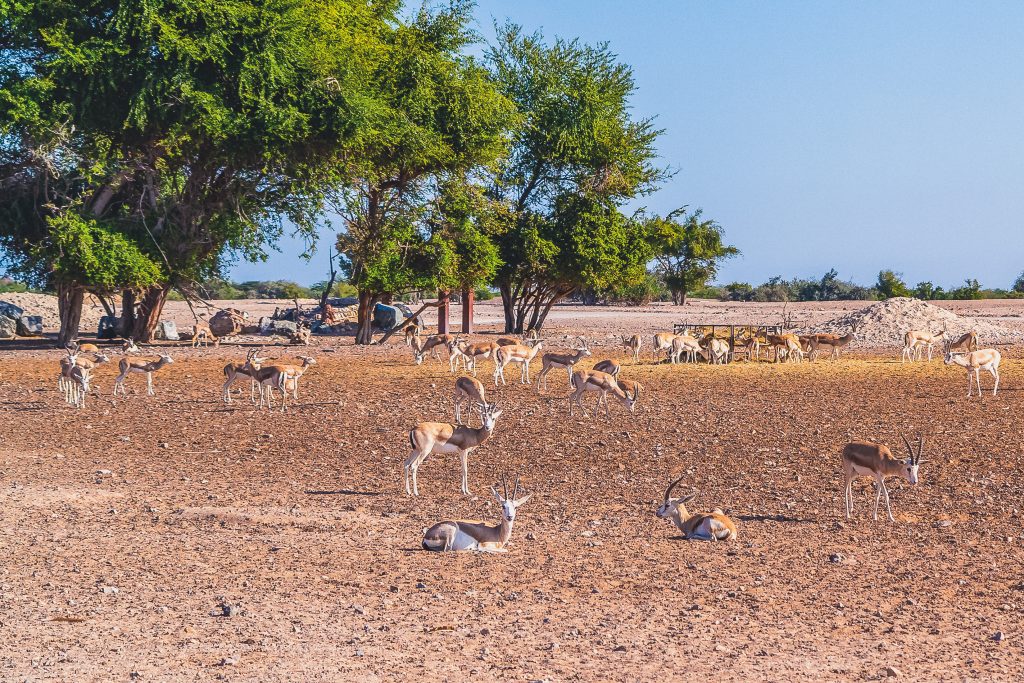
[516, 353]
[130, 364]
[560, 361]
[203, 335]
[862, 459]
[444, 438]
[471, 535]
[632, 345]
[975, 362]
[713, 526]
[916, 340]
[594, 381]
[468, 390]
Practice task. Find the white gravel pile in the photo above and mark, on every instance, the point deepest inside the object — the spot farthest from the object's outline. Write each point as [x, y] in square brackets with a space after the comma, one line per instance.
[884, 323]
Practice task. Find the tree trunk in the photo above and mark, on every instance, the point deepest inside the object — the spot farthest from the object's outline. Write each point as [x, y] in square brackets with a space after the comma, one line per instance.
[330, 285]
[127, 323]
[150, 308]
[69, 306]
[547, 309]
[508, 305]
[364, 330]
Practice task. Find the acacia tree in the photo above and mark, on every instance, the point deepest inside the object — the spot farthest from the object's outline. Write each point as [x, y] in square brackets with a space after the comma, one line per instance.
[438, 114]
[188, 129]
[688, 251]
[577, 155]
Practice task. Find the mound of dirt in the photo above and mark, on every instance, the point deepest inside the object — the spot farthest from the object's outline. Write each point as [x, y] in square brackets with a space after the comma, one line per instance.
[884, 323]
[45, 305]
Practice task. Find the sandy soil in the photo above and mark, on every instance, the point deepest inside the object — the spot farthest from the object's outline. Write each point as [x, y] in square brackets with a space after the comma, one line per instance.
[123, 526]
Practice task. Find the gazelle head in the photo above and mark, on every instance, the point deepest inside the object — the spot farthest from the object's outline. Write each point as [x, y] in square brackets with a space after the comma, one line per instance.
[672, 507]
[914, 461]
[489, 414]
[509, 503]
[166, 359]
[72, 354]
[307, 360]
[102, 358]
[583, 347]
[954, 358]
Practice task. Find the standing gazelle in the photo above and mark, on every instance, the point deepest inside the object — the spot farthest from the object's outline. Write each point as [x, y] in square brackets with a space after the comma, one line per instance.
[976, 361]
[713, 526]
[560, 361]
[466, 535]
[632, 345]
[862, 459]
[515, 353]
[443, 438]
[592, 380]
[468, 390]
[232, 371]
[130, 364]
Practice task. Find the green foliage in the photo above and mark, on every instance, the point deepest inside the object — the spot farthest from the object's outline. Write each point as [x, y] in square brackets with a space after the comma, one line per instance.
[739, 291]
[1018, 284]
[927, 291]
[890, 284]
[483, 294]
[8, 286]
[88, 252]
[638, 293]
[688, 251]
[971, 289]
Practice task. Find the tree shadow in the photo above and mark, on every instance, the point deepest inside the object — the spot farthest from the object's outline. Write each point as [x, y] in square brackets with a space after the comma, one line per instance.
[343, 492]
[774, 518]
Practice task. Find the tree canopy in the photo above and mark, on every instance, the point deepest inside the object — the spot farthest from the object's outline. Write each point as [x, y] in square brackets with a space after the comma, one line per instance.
[688, 250]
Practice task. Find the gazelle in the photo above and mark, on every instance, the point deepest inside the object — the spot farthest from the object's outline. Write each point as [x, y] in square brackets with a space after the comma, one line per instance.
[592, 380]
[201, 334]
[964, 343]
[78, 385]
[609, 366]
[713, 526]
[663, 342]
[976, 361]
[233, 371]
[915, 340]
[752, 345]
[684, 345]
[471, 391]
[517, 353]
[443, 438]
[431, 344]
[715, 350]
[632, 345]
[862, 459]
[527, 339]
[283, 377]
[413, 327]
[786, 346]
[468, 354]
[631, 388]
[72, 360]
[559, 361]
[130, 364]
[129, 346]
[471, 535]
[833, 341]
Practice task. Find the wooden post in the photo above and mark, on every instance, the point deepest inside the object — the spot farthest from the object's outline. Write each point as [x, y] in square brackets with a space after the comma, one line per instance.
[442, 313]
[467, 311]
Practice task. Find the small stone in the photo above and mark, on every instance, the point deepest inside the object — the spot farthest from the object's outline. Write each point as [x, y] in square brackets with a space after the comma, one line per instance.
[104, 473]
[998, 636]
[229, 661]
[836, 558]
[359, 609]
[164, 444]
[485, 631]
[619, 648]
[359, 652]
[421, 585]
[892, 672]
[110, 590]
[531, 537]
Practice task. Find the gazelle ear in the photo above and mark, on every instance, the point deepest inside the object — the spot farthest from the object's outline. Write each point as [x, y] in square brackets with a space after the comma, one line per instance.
[523, 499]
[921, 461]
[686, 499]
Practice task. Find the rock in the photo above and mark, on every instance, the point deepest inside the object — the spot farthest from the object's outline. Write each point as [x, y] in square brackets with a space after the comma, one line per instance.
[110, 590]
[386, 317]
[228, 322]
[343, 302]
[619, 648]
[229, 661]
[892, 672]
[166, 329]
[107, 328]
[421, 585]
[30, 325]
[284, 327]
[998, 636]
[8, 327]
[10, 310]
[836, 558]
[266, 322]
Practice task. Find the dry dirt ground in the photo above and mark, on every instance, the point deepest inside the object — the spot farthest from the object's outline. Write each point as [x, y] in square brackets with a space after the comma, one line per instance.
[125, 525]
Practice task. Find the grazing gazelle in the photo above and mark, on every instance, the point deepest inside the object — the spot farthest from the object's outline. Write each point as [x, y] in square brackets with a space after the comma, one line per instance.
[663, 342]
[516, 353]
[444, 438]
[976, 361]
[469, 354]
[472, 535]
[609, 366]
[130, 364]
[431, 344]
[964, 343]
[593, 380]
[915, 340]
[632, 345]
[713, 526]
[862, 459]
[684, 345]
[558, 361]
[232, 371]
[715, 350]
[471, 391]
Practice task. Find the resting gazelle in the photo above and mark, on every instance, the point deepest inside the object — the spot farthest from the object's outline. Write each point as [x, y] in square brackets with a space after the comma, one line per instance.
[713, 526]
[479, 536]
[862, 459]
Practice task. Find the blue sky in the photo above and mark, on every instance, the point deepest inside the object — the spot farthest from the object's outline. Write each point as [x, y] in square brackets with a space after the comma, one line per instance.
[854, 135]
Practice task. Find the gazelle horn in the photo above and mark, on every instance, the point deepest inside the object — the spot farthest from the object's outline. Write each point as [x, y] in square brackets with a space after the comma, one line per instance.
[504, 485]
[515, 489]
[671, 486]
[910, 449]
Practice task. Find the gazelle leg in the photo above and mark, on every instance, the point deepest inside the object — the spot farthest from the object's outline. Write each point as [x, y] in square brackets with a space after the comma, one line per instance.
[149, 384]
[995, 373]
[887, 506]
[465, 471]
[878, 497]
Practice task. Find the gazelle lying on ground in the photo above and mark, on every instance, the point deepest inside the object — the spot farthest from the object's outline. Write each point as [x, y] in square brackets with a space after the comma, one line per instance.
[632, 345]
[976, 361]
[517, 353]
[443, 438]
[526, 339]
[129, 346]
[560, 361]
[130, 364]
[233, 371]
[609, 366]
[202, 335]
[963, 344]
[684, 345]
[473, 535]
[592, 380]
[713, 526]
[471, 391]
[85, 348]
[916, 340]
[862, 459]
